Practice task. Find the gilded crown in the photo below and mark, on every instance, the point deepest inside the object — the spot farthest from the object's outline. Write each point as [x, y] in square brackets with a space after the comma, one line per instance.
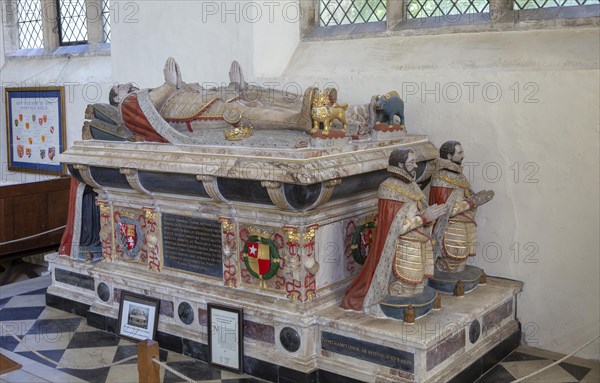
[238, 133]
[259, 232]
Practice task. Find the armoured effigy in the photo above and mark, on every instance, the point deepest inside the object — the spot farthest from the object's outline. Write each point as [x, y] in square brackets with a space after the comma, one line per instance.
[456, 233]
[394, 275]
[178, 113]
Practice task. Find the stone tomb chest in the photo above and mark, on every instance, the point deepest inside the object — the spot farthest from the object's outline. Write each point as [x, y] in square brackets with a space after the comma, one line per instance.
[278, 233]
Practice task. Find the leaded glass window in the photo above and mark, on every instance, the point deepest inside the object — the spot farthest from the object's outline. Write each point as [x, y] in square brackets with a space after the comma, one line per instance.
[430, 8]
[106, 20]
[339, 12]
[73, 22]
[29, 20]
[534, 4]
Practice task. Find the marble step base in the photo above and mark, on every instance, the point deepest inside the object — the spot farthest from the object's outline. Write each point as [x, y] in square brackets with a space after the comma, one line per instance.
[464, 337]
[437, 347]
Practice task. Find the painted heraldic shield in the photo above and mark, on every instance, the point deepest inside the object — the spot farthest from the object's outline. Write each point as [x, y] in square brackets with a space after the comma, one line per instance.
[259, 257]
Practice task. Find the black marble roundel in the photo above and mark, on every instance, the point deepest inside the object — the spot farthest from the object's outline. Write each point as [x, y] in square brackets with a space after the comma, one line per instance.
[290, 339]
[186, 313]
[474, 331]
[103, 292]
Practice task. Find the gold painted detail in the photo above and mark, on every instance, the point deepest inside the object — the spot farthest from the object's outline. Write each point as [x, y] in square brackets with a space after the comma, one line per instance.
[104, 208]
[261, 283]
[325, 111]
[291, 233]
[310, 233]
[226, 224]
[260, 232]
[128, 214]
[367, 219]
[236, 133]
[150, 214]
[413, 196]
[460, 183]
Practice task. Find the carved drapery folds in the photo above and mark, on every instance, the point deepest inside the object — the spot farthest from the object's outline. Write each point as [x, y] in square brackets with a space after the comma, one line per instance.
[134, 180]
[211, 186]
[86, 175]
[278, 196]
[327, 189]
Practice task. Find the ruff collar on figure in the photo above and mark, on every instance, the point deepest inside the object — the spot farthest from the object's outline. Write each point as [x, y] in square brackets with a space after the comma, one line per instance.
[458, 179]
[449, 165]
[400, 172]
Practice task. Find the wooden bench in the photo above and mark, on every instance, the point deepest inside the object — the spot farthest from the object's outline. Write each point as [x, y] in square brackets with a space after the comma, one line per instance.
[27, 211]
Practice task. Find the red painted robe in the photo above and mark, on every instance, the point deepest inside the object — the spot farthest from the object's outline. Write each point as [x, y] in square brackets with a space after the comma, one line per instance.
[356, 292]
[136, 121]
[66, 241]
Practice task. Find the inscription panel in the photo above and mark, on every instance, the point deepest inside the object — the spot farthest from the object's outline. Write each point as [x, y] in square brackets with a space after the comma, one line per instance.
[192, 244]
[74, 279]
[370, 352]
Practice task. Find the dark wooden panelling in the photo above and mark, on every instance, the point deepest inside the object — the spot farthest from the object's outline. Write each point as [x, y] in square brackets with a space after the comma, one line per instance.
[58, 208]
[29, 209]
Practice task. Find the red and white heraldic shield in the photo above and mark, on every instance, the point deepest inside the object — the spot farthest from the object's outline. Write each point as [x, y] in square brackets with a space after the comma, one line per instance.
[259, 257]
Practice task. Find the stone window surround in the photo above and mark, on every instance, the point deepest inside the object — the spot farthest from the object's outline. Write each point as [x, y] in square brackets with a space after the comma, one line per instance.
[501, 17]
[52, 48]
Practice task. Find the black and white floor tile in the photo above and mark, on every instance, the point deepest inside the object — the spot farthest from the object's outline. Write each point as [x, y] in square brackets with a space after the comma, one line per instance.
[525, 360]
[67, 338]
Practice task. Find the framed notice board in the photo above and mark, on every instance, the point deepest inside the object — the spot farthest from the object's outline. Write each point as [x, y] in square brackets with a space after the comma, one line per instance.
[35, 128]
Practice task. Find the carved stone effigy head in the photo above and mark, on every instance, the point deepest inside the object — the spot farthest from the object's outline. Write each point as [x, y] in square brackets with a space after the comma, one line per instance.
[452, 150]
[404, 158]
[119, 92]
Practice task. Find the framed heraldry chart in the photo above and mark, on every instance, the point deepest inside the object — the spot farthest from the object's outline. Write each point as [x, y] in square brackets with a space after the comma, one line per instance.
[36, 131]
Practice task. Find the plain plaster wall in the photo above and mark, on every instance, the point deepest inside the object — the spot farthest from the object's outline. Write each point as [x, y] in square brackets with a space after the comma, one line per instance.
[1, 39]
[204, 37]
[537, 148]
[86, 80]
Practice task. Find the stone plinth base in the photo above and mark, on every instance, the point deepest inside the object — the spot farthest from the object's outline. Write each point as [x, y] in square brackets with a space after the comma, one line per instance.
[303, 342]
[437, 347]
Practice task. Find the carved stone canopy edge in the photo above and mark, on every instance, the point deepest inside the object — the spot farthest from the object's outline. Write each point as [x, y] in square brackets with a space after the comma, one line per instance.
[271, 166]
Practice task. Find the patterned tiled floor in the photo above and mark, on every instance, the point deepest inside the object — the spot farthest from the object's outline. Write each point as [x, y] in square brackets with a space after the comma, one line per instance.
[67, 338]
[525, 360]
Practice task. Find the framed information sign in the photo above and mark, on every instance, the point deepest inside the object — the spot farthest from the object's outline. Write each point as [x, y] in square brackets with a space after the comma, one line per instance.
[225, 338]
[35, 124]
[138, 316]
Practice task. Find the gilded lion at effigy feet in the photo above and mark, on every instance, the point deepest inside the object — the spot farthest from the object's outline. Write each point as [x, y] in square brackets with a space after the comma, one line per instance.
[325, 110]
